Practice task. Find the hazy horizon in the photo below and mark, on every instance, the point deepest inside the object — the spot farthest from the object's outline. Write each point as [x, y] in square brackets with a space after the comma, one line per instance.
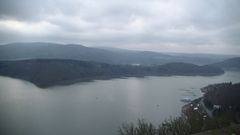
[131, 49]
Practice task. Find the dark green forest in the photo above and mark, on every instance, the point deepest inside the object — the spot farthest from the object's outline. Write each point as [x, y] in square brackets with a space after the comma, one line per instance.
[50, 72]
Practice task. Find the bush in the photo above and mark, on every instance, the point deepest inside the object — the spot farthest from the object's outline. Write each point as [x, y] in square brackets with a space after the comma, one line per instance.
[142, 128]
[173, 126]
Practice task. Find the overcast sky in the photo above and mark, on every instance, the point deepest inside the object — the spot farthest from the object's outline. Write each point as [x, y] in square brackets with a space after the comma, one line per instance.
[201, 26]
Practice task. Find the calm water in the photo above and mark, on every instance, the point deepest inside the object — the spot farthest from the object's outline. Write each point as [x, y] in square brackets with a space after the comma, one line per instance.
[95, 108]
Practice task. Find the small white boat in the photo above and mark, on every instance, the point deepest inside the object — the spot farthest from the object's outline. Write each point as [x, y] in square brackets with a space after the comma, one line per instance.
[186, 100]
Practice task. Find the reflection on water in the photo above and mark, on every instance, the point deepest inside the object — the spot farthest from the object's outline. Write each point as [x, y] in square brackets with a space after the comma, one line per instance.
[134, 95]
[95, 108]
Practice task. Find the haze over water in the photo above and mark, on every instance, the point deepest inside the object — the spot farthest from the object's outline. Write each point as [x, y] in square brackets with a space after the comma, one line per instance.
[98, 107]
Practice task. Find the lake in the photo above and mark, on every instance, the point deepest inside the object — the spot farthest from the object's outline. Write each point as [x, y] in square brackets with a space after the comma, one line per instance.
[98, 107]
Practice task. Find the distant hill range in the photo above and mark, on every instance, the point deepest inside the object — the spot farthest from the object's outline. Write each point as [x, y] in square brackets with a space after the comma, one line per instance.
[39, 50]
[229, 64]
[50, 72]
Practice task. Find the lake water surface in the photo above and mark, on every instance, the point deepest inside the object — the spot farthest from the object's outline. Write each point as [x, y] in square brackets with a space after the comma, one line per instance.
[98, 107]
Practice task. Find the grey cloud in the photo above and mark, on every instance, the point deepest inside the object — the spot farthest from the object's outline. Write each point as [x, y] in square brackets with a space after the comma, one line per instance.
[168, 24]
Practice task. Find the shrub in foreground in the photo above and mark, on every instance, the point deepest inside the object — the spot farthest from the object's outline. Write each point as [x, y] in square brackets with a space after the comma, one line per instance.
[173, 126]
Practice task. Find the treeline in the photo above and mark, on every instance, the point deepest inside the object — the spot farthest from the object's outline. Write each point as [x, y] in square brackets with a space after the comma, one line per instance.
[49, 72]
[223, 97]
